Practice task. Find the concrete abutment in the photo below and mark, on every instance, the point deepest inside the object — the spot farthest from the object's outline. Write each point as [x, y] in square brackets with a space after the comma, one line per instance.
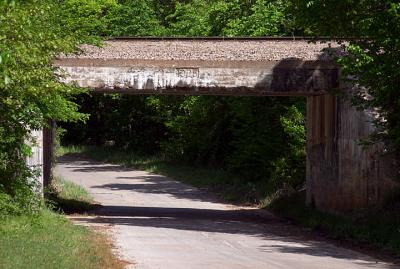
[343, 175]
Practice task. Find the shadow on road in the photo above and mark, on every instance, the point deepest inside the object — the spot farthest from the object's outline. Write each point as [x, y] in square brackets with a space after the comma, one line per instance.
[149, 183]
[279, 236]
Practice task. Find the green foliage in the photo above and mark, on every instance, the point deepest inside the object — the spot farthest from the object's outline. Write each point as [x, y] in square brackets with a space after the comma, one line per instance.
[264, 146]
[133, 18]
[261, 140]
[94, 19]
[189, 19]
[131, 122]
[87, 17]
[8, 206]
[30, 37]
[224, 14]
[227, 18]
[371, 59]
[186, 121]
[266, 19]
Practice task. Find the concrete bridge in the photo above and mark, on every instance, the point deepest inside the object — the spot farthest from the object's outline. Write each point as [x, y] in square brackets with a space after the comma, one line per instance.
[203, 67]
[341, 175]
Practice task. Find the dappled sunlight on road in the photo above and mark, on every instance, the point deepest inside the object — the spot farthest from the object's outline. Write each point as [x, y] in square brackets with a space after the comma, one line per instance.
[158, 222]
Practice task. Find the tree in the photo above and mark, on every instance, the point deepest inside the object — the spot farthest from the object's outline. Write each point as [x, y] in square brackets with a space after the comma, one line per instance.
[222, 13]
[86, 17]
[31, 36]
[189, 19]
[266, 19]
[133, 18]
[372, 56]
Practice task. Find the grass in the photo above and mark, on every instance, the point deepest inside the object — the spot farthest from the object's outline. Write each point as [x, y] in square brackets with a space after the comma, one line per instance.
[70, 149]
[69, 197]
[377, 228]
[49, 240]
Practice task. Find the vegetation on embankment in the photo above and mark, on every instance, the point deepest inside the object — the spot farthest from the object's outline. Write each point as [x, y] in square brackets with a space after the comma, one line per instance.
[376, 228]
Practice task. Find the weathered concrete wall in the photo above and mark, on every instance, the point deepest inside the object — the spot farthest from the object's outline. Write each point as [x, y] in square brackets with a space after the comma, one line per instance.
[273, 78]
[36, 160]
[42, 157]
[343, 176]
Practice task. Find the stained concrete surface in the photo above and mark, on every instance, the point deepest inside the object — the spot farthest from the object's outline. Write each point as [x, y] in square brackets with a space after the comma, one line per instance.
[200, 67]
[159, 223]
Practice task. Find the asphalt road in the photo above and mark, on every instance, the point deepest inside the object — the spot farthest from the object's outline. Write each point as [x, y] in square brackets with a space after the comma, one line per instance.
[159, 223]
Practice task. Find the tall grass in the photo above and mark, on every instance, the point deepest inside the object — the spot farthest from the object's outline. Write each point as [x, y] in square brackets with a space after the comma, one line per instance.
[69, 197]
[48, 240]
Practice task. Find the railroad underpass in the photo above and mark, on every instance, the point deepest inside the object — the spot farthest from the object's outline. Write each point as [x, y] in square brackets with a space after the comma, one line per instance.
[341, 175]
[157, 222]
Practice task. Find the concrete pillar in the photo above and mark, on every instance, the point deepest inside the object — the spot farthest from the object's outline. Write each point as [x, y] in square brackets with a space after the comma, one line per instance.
[36, 160]
[48, 152]
[342, 176]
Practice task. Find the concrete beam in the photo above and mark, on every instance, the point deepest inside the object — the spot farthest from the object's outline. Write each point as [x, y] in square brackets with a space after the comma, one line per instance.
[288, 77]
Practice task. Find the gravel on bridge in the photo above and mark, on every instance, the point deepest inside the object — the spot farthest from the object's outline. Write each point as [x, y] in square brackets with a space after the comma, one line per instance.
[206, 50]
